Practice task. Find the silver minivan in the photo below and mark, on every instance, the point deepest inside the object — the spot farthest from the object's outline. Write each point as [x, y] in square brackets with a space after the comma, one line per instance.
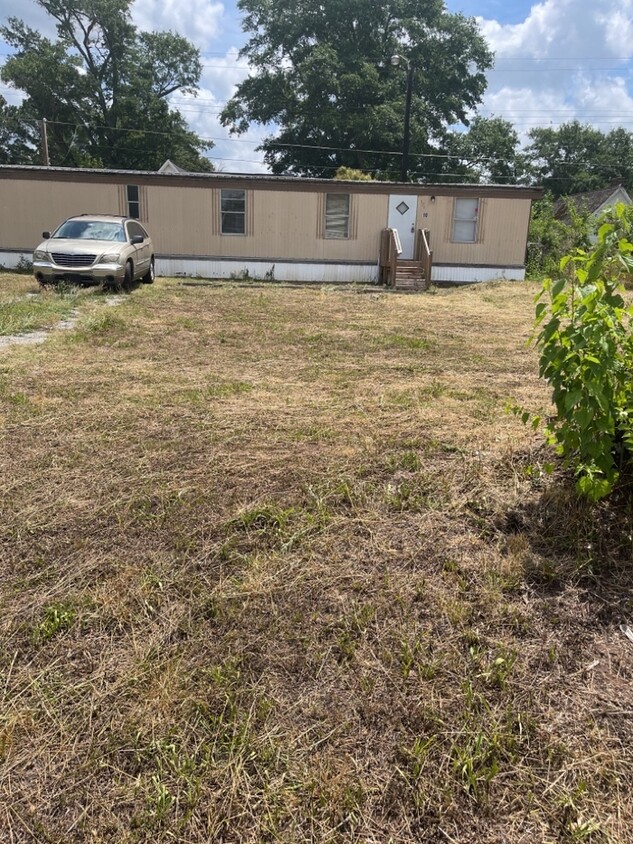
[95, 249]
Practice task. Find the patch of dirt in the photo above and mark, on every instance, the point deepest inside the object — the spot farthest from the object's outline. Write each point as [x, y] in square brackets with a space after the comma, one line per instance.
[33, 338]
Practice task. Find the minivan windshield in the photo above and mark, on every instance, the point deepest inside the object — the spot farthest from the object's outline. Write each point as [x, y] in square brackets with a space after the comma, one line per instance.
[91, 230]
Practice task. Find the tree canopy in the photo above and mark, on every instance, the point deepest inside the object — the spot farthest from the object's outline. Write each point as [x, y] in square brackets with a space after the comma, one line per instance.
[488, 152]
[575, 158]
[103, 86]
[18, 140]
[323, 77]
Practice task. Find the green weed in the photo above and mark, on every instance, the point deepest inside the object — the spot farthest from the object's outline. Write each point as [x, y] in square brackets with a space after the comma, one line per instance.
[404, 341]
[104, 325]
[40, 311]
[57, 619]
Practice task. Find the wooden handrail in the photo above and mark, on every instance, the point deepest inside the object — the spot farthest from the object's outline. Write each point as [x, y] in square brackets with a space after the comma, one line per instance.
[395, 250]
[423, 253]
[396, 240]
[390, 249]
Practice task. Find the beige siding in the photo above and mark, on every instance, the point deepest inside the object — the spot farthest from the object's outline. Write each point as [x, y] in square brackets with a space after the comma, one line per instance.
[284, 225]
[503, 224]
[29, 207]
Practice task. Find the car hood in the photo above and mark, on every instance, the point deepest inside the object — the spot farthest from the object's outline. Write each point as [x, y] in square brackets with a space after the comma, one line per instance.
[83, 247]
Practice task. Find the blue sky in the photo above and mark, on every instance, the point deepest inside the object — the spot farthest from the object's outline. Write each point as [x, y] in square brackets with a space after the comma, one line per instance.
[499, 10]
[556, 60]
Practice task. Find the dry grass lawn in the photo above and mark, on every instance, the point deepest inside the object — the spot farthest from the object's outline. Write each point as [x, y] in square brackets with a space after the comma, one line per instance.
[277, 566]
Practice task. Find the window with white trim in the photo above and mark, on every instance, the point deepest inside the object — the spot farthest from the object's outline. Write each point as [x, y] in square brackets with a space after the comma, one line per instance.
[465, 219]
[337, 213]
[233, 211]
[133, 202]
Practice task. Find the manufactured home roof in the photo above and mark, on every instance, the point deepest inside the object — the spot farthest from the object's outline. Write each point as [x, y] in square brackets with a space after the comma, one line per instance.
[262, 181]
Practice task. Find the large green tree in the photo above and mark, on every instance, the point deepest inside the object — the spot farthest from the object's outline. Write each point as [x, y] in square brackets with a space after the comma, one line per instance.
[574, 158]
[488, 152]
[103, 87]
[18, 139]
[324, 82]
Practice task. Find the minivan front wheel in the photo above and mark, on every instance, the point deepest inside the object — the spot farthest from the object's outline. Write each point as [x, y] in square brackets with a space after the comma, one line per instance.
[149, 276]
[128, 278]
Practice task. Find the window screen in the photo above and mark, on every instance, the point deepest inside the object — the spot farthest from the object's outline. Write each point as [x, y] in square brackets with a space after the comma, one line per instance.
[465, 217]
[337, 216]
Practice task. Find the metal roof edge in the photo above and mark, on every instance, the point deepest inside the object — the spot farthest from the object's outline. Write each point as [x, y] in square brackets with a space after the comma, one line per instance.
[283, 181]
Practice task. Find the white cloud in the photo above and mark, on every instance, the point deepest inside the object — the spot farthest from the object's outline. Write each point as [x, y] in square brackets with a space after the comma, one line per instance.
[198, 20]
[606, 102]
[524, 107]
[567, 60]
[29, 12]
[230, 154]
[566, 28]
[33, 16]
[220, 79]
[202, 21]
[223, 74]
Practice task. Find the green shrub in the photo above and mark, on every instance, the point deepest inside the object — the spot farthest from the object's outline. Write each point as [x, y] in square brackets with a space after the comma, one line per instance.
[586, 355]
[550, 239]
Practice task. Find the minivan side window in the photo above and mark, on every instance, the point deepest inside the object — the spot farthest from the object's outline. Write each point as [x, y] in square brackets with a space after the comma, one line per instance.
[133, 229]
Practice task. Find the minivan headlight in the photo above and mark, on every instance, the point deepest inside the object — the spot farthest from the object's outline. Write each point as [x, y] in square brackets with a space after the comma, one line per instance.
[111, 258]
[41, 255]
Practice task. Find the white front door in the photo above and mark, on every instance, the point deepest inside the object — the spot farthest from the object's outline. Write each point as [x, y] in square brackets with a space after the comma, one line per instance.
[402, 216]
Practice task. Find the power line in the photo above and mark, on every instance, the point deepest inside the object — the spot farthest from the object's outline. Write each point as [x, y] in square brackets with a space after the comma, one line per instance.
[467, 162]
[281, 144]
[195, 105]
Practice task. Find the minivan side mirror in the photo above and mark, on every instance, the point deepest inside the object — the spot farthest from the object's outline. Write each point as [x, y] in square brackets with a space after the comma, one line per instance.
[46, 235]
[137, 238]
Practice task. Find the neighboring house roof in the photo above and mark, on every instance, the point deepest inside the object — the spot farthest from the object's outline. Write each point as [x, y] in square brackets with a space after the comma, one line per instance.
[170, 167]
[592, 202]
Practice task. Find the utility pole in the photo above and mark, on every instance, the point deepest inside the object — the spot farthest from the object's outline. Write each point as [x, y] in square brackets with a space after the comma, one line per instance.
[404, 173]
[44, 143]
[404, 166]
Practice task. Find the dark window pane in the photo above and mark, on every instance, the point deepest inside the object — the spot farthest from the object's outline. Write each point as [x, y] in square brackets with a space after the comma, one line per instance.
[233, 194]
[134, 229]
[235, 205]
[233, 208]
[133, 201]
[232, 223]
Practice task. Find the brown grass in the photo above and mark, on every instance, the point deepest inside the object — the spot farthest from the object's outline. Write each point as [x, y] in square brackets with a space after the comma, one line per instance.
[278, 566]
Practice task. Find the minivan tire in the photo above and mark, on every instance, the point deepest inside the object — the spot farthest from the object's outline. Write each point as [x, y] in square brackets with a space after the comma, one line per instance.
[128, 279]
[150, 275]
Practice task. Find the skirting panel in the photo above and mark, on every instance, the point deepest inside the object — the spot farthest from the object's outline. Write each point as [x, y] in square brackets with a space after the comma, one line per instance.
[10, 259]
[267, 271]
[468, 275]
[325, 273]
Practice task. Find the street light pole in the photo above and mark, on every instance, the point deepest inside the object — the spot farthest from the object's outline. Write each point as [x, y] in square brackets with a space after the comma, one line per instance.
[404, 166]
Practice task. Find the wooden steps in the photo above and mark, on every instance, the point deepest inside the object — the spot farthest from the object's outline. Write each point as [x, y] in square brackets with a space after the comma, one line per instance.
[403, 274]
[410, 276]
